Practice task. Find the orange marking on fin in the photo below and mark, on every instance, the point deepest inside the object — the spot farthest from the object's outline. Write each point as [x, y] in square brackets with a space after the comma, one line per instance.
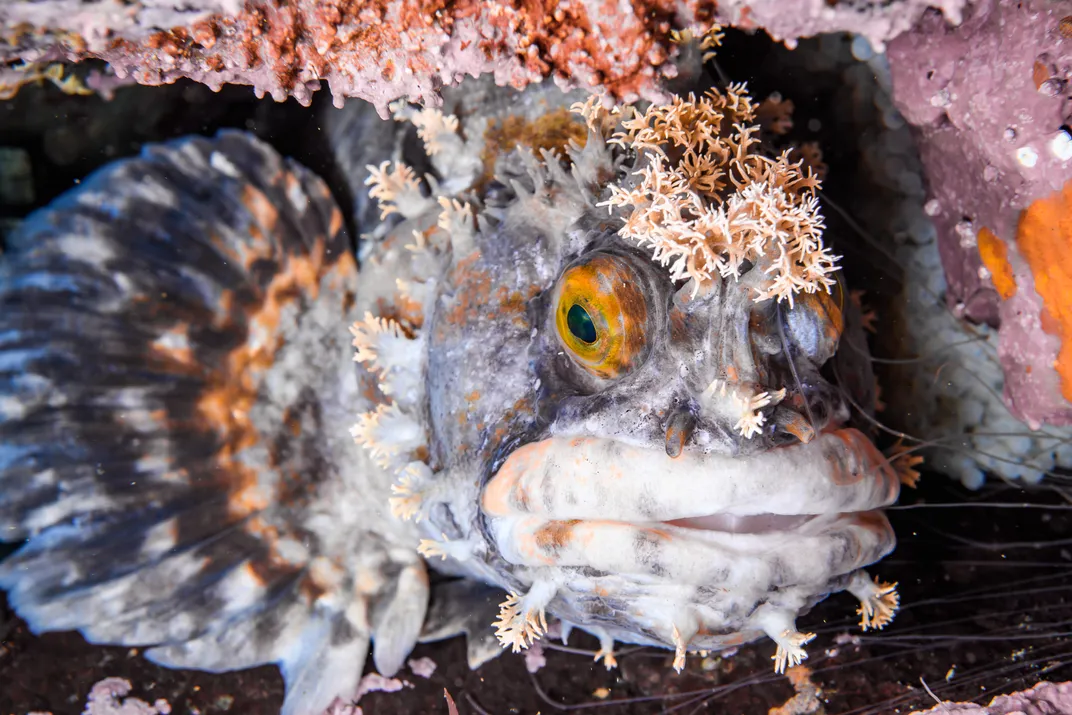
[260, 207]
[174, 345]
[252, 573]
[226, 405]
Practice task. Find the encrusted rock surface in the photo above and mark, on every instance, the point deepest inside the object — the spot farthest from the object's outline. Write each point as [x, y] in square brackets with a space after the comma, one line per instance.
[382, 50]
[990, 100]
[1043, 699]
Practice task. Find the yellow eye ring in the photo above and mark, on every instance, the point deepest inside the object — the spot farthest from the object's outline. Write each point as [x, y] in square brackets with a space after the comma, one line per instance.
[601, 315]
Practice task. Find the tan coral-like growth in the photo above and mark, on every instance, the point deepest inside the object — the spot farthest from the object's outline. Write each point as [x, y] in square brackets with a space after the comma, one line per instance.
[905, 462]
[747, 402]
[434, 127]
[708, 200]
[430, 548]
[879, 601]
[775, 114]
[752, 420]
[606, 655]
[790, 651]
[397, 190]
[369, 332]
[406, 502]
[14, 77]
[710, 39]
[679, 650]
[597, 117]
[456, 219]
[389, 435]
[519, 627]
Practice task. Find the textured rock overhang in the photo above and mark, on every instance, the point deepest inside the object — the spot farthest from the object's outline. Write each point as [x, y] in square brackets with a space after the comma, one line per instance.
[382, 50]
[991, 103]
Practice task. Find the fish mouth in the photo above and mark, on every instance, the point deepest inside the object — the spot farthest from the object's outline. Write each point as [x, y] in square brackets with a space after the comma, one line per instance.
[800, 514]
[592, 478]
[734, 524]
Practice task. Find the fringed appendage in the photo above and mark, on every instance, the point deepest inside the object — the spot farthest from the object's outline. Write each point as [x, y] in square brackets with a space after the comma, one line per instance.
[172, 378]
[523, 619]
[779, 626]
[878, 601]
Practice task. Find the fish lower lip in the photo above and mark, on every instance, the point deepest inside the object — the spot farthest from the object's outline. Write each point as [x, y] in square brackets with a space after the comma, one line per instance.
[595, 478]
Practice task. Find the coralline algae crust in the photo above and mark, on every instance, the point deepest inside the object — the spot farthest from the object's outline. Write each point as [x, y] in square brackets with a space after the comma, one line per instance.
[381, 50]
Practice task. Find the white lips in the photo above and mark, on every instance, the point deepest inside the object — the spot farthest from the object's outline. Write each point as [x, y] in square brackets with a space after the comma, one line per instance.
[594, 478]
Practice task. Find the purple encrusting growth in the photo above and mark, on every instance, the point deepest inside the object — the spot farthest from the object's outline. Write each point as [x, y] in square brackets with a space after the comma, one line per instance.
[108, 697]
[1043, 699]
[987, 155]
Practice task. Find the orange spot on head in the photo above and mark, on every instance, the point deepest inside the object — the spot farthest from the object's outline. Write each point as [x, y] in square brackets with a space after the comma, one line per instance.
[995, 256]
[1044, 237]
[473, 296]
[551, 131]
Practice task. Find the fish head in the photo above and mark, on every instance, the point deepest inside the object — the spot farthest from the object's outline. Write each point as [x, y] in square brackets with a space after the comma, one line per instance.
[656, 459]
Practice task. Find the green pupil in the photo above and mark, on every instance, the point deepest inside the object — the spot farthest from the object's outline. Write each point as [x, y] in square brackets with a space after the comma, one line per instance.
[580, 324]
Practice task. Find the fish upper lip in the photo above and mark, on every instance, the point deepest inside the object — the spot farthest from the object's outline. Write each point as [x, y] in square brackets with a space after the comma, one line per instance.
[590, 478]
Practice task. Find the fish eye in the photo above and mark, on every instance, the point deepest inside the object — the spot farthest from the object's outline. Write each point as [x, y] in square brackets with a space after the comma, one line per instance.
[580, 324]
[601, 315]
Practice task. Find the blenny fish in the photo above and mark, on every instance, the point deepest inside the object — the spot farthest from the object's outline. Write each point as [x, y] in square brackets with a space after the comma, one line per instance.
[590, 373]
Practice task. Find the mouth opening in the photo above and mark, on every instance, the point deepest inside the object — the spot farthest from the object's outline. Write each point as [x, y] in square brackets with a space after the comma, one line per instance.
[750, 524]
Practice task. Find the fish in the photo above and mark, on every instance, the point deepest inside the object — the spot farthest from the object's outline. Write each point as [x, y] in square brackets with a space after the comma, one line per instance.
[578, 367]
